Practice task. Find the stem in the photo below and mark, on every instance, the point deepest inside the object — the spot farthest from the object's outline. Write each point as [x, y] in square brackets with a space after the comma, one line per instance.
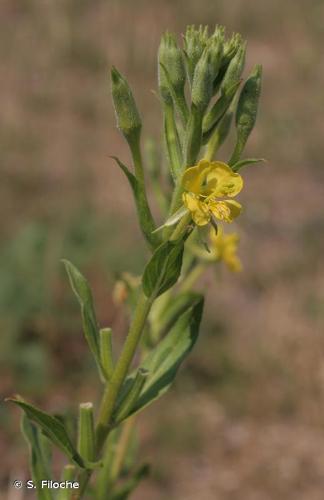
[110, 395]
[112, 389]
[192, 277]
[137, 159]
[122, 448]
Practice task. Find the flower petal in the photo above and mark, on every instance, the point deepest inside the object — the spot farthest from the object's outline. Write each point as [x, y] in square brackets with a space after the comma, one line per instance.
[226, 210]
[199, 209]
[194, 177]
[222, 181]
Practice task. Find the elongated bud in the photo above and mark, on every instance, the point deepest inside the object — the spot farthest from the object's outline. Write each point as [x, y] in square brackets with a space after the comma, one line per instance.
[219, 135]
[212, 118]
[86, 436]
[128, 119]
[231, 47]
[172, 141]
[171, 69]
[132, 396]
[247, 111]
[195, 40]
[234, 70]
[205, 73]
[106, 354]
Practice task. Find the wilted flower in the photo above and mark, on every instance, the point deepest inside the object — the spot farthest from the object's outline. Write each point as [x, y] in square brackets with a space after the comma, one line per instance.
[224, 248]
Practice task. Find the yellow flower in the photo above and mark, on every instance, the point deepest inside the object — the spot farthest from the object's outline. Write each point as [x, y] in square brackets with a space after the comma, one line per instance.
[224, 247]
[204, 187]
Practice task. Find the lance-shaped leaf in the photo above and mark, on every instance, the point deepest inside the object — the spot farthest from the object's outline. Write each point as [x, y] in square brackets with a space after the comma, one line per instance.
[38, 460]
[143, 211]
[174, 218]
[163, 270]
[246, 161]
[83, 293]
[164, 361]
[52, 427]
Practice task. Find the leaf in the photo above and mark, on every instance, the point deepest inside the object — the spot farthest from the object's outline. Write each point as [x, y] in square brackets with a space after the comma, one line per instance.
[247, 161]
[83, 293]
[52, 427]
[143, 211]
[38, 460]
[173, 219]
[163, 270]
[164, 361]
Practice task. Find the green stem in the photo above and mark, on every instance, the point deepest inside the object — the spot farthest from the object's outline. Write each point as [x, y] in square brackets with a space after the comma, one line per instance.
[135, 148]
[192, 277]
[122, 447]
[112, 389]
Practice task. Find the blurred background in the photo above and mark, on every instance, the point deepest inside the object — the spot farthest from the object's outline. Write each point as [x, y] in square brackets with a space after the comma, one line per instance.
[245, 419]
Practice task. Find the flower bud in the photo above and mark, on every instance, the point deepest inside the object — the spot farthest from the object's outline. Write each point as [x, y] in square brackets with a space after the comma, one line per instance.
[234, 70]
[128, 119]
[171, 69]
[206, 72]
[195, 40]
[246, 112]
[231, 47]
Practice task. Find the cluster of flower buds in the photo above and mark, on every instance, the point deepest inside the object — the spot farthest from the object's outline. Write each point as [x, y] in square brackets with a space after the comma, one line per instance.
[201, 90]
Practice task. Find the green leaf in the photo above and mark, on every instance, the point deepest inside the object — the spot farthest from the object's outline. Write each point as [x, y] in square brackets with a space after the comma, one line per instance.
[143, 212]
[164, 361]
[174, 218]
[38, 458]
[163, 270]
[83, 293]
[52, 427]
[246, 161]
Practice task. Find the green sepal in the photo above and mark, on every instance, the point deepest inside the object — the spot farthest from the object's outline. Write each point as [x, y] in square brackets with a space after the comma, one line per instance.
[83, 293]
[245, 162]
[40, 467]
[143, 212]
[164, 361]
[163, 270]
[53, 428]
